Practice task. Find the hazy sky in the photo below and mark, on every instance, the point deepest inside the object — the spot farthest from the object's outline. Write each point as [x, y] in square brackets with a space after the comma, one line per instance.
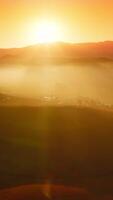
[80, 20]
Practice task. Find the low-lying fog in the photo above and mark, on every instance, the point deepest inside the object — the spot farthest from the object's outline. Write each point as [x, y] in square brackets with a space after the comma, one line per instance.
[63, 82]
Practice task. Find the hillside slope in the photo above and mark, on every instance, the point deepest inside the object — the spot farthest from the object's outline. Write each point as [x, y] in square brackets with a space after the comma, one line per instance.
[41, 192]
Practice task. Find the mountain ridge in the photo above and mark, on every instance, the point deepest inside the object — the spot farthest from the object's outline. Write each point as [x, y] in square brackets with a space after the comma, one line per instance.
[59, 53]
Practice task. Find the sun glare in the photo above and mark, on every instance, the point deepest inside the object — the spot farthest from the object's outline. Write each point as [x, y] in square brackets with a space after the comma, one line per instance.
[45, 32]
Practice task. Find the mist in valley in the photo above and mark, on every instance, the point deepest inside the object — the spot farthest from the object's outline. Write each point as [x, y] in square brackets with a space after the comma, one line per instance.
[65, 83]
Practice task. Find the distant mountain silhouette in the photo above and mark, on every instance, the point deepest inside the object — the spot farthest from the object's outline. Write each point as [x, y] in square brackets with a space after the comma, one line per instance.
[59, 53]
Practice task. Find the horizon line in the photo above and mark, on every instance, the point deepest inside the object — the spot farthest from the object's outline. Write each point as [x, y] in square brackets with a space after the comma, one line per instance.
[52, 43]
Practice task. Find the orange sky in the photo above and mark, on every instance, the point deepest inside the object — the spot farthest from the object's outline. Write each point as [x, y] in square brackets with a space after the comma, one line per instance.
[81, 20]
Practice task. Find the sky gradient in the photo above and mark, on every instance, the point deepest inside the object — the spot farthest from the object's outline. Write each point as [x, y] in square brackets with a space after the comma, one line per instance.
[80, 20]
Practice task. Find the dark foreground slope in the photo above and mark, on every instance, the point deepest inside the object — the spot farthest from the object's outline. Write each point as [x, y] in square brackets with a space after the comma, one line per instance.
[60, 145]
[34, 192]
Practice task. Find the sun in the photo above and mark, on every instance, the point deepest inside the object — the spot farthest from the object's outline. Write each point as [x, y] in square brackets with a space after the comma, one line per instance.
[48, 32]
[45, 32]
